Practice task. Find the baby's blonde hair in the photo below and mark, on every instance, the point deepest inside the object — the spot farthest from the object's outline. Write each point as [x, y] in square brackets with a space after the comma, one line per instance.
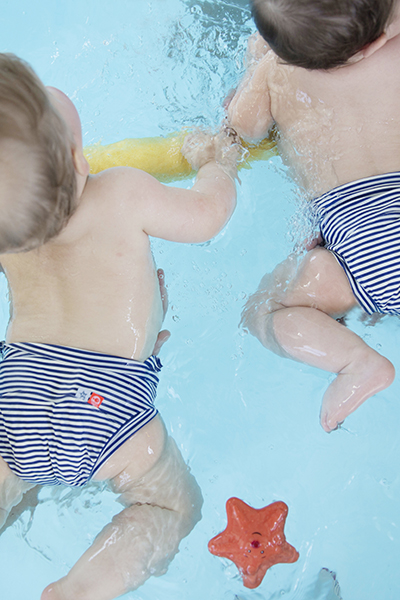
[37, 175]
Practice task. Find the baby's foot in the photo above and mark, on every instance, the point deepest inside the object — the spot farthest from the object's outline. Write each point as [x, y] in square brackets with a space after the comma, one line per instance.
[362, 378]
[52, 592]
[254, 312]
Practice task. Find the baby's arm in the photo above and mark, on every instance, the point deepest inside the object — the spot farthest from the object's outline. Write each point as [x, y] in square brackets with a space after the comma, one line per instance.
[188, 215]
[249, 111]
[257, 48]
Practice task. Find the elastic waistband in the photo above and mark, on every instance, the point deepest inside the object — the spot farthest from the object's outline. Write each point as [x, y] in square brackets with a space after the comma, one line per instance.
[358, 189]
[65, 354]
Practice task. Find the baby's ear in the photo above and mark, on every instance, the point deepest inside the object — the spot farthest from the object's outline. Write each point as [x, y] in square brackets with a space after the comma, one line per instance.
[80, 163]
[374, 46]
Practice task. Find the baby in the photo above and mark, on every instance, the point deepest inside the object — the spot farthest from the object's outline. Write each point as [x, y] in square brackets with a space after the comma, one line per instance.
[327, 75]
[78, 376]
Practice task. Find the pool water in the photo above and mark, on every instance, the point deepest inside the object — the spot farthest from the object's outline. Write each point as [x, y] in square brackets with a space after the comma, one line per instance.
[245, 420]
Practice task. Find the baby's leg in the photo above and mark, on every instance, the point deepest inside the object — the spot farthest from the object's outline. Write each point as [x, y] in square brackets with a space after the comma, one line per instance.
[12, 489]
[162, 507]
[293, 314]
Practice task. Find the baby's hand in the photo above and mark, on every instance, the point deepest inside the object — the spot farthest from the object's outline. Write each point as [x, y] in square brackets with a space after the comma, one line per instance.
[198, 148]
[228, 150]
[164, 335]
[163, 291]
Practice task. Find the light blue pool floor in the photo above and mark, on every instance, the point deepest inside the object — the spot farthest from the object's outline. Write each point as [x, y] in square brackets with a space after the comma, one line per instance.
[246, 420]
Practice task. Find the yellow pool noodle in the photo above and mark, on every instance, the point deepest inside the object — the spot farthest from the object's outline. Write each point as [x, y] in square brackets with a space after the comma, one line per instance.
[161, 156]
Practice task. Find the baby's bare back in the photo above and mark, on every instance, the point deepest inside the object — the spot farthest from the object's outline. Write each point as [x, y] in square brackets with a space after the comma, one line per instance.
[340, 125]
[94, 286]
[344, 124]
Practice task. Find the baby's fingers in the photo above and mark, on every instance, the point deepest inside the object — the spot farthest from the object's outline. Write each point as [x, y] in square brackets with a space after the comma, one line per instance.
[198, 148]
[163, 290]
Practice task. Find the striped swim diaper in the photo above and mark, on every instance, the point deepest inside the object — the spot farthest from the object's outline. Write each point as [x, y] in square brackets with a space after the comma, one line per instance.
[65, 411]
[360, 225]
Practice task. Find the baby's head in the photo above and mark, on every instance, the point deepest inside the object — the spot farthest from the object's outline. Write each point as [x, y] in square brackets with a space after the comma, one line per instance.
[321, 34]
[37, 173]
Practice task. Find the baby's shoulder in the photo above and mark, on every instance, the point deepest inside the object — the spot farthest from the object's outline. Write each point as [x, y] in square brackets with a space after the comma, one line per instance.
[116, 180]
[111, 201]
[117, 186]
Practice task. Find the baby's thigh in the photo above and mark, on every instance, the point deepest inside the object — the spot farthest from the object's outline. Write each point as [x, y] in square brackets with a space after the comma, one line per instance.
[168, 484]
[319, 282]
[137, 455]
[12, 489]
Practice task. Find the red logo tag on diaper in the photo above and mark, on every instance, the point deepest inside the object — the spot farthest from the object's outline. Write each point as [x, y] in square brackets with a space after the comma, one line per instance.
[95, 400]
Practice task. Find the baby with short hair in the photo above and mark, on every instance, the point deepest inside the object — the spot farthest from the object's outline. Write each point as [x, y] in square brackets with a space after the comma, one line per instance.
[327, 75]
[79, 373]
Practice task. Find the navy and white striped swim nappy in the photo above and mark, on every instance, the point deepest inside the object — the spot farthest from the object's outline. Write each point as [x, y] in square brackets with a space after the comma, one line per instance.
[65, 411]
[360, 225]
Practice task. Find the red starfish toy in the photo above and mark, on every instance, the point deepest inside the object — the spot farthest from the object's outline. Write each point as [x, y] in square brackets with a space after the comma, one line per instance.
[254, 539]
